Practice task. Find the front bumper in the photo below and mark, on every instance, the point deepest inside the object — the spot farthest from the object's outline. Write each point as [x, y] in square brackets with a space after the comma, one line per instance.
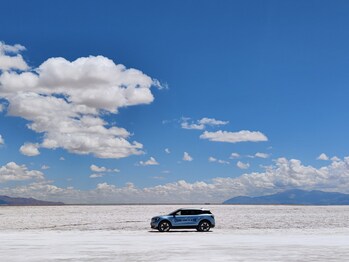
[153, 225]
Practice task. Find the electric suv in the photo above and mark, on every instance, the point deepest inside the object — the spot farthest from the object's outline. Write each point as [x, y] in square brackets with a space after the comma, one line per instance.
[200, 219]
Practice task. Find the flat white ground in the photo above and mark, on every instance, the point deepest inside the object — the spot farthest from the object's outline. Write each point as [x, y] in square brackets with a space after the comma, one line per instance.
[174, 246]
[122, 233]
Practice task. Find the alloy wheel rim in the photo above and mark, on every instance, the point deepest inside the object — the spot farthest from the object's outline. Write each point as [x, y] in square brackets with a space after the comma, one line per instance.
[205, 226]
[165, 226]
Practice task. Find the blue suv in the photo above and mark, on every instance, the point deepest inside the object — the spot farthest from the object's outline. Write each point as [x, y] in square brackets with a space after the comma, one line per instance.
[200, 219]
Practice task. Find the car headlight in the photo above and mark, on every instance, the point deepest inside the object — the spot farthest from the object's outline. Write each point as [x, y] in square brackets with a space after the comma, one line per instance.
[155, 219]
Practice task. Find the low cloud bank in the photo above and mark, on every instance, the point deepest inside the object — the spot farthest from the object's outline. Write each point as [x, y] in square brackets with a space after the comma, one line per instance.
[284, 174]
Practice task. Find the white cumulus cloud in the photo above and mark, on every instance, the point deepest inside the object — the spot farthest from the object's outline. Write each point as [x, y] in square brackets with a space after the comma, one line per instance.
[14, 172]
[234, 155]
[97, 168]
[234, 137]
[29, 149]
[186, 125]
[242, 165]
[2, 141]
[323, 156]
[10, 57]
[212, 159]
[261, 155]
[187, 157]
[150, 162]
[335, 159]
[66, 101]
[212, 122]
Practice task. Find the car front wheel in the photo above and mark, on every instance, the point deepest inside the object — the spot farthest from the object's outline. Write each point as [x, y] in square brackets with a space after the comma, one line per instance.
[204, 226]
[164, 226]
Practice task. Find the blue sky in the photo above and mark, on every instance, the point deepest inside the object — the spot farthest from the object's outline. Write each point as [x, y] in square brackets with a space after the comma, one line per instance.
[264, 77]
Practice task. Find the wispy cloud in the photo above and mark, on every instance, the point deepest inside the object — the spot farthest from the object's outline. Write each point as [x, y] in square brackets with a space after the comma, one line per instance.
[96, 175]
[201, 124]
[158, 177]
[45, 167]
[213, 159]
[234, 137]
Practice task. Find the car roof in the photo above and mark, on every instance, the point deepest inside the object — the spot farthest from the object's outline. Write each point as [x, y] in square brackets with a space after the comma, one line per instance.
[202, 209]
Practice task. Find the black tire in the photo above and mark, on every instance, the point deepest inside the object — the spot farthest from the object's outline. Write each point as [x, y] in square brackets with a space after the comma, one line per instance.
[164, 226]
[204, 226]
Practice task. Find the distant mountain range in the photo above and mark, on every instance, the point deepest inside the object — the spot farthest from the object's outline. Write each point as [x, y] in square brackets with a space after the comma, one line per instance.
[19, 201]
[294, 197]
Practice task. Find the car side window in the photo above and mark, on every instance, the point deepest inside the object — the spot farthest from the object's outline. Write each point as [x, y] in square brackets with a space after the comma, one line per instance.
[191, 212]
[179, 213]
[185, 212]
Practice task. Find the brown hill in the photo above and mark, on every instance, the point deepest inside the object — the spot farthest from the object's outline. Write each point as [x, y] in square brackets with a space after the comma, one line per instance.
[19, 201]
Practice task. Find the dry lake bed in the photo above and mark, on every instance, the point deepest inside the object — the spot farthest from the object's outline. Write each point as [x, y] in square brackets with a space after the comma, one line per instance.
[122, 233]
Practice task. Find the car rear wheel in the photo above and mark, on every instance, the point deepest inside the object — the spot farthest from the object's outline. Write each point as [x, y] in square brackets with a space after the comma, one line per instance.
[164, 226]
[204, 226]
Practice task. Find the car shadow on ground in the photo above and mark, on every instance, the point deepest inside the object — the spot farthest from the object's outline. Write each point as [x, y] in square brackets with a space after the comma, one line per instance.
[178, 231]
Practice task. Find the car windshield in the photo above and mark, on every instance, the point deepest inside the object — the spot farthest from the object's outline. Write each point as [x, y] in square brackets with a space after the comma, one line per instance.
[174, 212]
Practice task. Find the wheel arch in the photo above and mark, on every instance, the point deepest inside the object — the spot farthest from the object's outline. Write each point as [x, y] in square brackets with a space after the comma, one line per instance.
[165, 220]
[205, 220]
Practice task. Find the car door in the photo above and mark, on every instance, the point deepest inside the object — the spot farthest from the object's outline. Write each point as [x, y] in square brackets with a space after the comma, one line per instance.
[177, 219]
[191, 218]
[186, 218]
